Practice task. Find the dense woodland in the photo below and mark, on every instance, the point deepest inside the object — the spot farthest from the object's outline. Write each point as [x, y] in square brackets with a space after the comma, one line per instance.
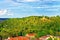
[41, 25]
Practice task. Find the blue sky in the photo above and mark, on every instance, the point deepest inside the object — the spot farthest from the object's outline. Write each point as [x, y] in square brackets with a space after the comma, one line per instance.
[23, 8]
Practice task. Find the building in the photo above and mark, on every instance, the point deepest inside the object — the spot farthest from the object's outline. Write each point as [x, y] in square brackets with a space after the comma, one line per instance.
[32, 35]
[44, 37]
[19, 38]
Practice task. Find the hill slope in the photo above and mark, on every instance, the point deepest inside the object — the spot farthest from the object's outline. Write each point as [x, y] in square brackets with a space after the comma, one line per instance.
[41, 25]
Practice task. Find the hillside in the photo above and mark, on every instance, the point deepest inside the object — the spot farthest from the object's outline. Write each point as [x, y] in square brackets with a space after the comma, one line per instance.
[41, 25]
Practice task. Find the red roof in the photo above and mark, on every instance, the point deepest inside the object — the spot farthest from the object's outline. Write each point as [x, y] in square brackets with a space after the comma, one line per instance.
[19, 38]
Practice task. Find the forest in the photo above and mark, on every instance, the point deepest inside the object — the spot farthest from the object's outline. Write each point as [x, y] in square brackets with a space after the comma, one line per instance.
[40, 25]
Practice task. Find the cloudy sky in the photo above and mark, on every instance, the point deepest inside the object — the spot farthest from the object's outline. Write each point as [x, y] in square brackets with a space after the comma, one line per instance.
[23, 8]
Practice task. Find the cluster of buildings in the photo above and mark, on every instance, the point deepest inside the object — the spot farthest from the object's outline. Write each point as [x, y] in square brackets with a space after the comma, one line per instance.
[32, 37]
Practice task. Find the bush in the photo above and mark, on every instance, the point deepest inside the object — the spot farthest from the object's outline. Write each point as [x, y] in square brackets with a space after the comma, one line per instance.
[50, 39]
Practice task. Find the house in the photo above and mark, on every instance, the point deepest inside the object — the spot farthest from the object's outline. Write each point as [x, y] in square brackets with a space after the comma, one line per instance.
[19, 38]
[31, 35]
[44, 37]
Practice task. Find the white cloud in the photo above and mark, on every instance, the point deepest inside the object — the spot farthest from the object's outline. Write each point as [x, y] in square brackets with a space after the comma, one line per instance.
[11, 2]
[3, 12]
[35, 0]
[30, 0]
[26, 0]
[10, 14]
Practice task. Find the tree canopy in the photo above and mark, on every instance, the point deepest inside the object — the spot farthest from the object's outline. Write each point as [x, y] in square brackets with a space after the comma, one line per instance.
[41, 25]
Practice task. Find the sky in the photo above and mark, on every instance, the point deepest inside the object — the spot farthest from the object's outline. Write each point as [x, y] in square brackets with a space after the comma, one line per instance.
[24, 8]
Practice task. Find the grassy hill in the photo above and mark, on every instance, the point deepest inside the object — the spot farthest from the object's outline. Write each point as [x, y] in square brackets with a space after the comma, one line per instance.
[41, 25]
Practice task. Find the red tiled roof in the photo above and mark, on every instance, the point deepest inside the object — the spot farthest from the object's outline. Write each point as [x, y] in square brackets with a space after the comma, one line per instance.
[19, 38]
[25, 38]
[31, 34]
